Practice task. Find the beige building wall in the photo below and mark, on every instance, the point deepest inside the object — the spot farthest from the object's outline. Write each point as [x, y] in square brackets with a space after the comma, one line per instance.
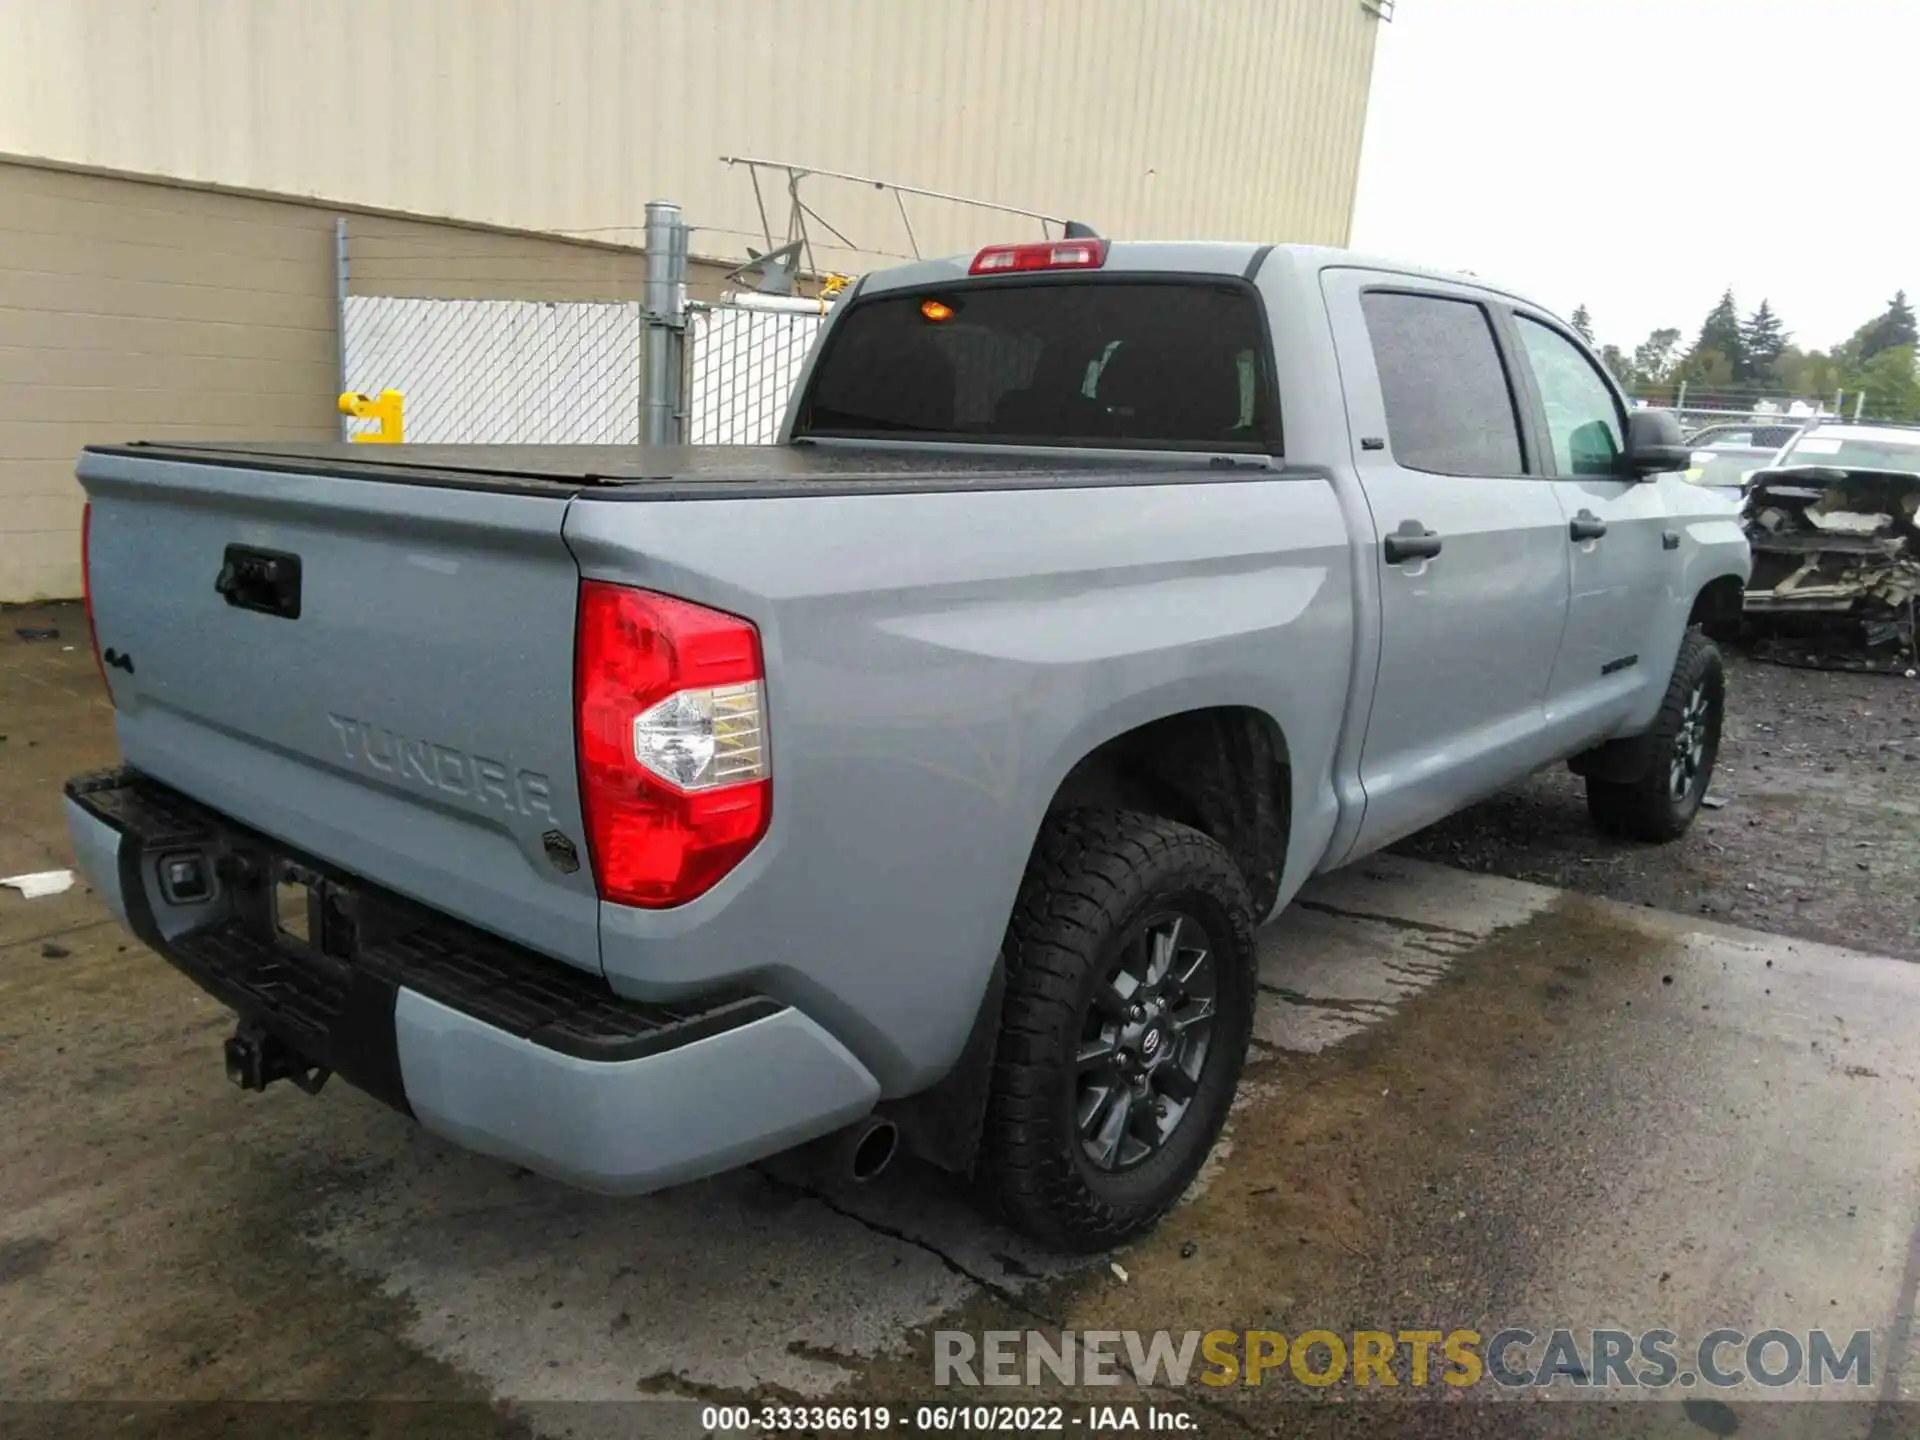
[139, 310]
[1148, 118]
[170, 171]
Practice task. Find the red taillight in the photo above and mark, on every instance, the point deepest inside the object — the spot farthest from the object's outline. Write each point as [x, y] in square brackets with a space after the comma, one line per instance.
[1043, 255]
[670, 703]
[86, 590]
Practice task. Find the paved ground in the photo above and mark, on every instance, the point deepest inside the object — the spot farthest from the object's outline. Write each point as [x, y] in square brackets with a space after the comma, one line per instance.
[1477, 1102]
[1819, 835]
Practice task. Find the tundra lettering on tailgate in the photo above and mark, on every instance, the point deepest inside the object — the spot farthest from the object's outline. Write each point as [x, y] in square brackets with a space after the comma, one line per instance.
[485, 782]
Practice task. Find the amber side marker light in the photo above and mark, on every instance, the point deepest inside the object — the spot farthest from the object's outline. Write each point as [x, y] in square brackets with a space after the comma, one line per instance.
[936, 310]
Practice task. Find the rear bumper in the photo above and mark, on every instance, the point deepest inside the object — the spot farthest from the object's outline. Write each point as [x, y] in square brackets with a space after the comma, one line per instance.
[498, 1049]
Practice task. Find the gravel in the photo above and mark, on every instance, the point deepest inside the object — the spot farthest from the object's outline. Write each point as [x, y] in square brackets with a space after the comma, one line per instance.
[1819, 835]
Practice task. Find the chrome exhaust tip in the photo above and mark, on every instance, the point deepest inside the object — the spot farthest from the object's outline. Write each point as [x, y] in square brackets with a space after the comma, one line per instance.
[868, 1148]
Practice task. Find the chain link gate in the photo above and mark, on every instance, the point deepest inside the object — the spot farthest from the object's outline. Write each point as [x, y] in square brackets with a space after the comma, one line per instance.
[508, 372]
[652, 370]
[524, 372]
[742, 365]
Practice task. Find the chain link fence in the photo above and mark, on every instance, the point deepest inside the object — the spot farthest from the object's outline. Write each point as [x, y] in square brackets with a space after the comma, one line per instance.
[501, 371]
[742, 365]
[1711, 404]
[568, 372]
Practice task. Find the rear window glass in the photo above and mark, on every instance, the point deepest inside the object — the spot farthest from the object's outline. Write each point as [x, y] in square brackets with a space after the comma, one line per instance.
[1449, 411]
[1172, 366]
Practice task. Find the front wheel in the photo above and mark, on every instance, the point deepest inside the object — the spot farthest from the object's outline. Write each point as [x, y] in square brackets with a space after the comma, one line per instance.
[1129, 1005]
[1683, 745]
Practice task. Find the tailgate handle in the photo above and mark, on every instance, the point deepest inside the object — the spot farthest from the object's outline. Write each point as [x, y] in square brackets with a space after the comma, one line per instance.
[264, 580]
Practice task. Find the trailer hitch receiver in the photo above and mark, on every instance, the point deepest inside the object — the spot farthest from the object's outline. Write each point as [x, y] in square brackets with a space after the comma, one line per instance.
[256, 1058]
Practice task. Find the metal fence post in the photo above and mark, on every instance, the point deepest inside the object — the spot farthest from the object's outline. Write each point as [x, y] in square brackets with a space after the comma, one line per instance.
[340, 277]
[664, 323]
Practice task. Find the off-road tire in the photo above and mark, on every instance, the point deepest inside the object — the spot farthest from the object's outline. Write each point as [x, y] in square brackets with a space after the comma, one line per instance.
[1647, 808]
[1095, 876]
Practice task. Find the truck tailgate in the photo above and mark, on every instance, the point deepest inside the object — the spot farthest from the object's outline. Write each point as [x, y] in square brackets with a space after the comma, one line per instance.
[380, 674]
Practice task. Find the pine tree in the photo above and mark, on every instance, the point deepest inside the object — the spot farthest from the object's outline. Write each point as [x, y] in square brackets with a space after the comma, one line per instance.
[1900, 323]
[1583, 323]
[1763, 340]
[1720, 333]
[1887, 331]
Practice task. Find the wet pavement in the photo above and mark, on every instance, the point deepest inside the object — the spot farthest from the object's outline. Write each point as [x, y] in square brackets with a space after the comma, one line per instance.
[1476, 1103]
[1816, 834]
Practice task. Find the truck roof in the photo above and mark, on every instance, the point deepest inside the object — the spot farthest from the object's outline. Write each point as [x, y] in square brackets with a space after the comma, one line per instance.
[1866, 430]
[1191, 257]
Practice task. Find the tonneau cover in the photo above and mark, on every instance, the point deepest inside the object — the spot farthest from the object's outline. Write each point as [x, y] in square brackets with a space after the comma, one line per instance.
[667, 472]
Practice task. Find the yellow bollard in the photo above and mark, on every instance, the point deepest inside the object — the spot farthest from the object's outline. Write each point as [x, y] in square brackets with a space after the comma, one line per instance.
[388, 408]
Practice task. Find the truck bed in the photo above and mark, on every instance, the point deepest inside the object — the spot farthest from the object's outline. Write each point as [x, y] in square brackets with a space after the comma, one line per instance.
[944, 635]
[699, 472]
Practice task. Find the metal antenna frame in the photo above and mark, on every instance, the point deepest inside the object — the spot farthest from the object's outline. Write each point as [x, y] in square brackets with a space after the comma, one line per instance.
[799, 212]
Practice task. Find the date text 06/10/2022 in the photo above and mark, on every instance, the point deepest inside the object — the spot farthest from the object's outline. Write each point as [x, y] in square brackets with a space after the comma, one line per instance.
[946, 1419]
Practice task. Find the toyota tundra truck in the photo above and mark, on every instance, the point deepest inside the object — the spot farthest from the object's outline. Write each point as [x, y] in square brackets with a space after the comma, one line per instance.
[918, 782]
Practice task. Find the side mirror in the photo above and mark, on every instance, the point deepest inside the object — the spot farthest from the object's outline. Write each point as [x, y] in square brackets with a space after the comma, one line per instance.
[1655, 443]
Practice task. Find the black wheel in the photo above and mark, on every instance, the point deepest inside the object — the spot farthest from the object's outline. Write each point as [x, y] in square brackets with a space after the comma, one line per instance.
[1683, 744]
[1130, 993]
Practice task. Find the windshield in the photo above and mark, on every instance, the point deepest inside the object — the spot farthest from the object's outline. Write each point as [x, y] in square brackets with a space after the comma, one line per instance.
[1851, 454]
[1103, 363]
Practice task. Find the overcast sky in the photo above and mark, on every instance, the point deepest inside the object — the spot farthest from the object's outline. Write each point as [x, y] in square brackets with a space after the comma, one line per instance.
[1641, 155]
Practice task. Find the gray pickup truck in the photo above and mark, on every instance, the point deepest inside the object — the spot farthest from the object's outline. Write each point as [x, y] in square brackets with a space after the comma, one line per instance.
[918, 782]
